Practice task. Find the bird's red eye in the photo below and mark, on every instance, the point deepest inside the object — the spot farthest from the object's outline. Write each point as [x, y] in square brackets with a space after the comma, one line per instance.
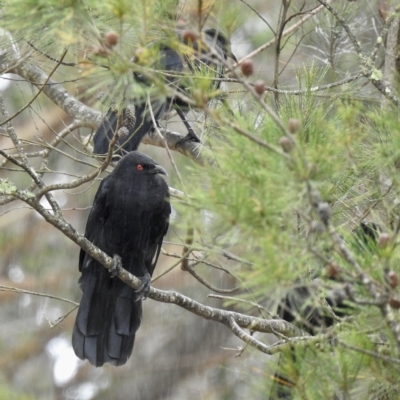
[139, 167]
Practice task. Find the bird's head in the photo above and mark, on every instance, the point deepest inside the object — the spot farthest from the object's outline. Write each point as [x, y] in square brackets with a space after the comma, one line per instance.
[139, 164]
[222, 42]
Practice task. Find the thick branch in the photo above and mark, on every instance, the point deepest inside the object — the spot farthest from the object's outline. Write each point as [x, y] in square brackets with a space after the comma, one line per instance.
[59, 95]
[222, 316]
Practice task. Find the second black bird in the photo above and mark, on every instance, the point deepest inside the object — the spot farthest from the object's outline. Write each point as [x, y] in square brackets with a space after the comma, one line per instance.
[134, 121]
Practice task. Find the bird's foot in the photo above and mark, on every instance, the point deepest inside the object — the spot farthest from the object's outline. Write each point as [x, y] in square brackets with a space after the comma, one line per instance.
[116, 267]
[144, 288]
[190, 137]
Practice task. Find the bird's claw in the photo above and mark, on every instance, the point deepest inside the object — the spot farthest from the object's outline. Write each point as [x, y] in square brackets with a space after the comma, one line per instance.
[145, 280]
[190, 137]
[116, 267]
[144, 288]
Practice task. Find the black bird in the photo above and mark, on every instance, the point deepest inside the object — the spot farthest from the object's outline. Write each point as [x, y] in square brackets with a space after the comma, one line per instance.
[366, 237]
[311, 308]
[300, 305]
[129, 219]
[134, 121]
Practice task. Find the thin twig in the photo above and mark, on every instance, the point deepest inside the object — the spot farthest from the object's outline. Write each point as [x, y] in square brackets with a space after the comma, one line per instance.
[369, 352]
[39, 91]
[49, 296]
[287, 32]
[252, 303]
[169, 269]
[207, 284]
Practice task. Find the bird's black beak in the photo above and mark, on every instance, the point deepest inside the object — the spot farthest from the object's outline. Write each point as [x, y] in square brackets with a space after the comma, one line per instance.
[231, 55]
[159, 170]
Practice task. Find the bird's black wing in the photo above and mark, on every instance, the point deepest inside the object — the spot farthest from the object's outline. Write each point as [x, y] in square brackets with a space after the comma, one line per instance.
[162, 224]
[133, 123]
[109, 314]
